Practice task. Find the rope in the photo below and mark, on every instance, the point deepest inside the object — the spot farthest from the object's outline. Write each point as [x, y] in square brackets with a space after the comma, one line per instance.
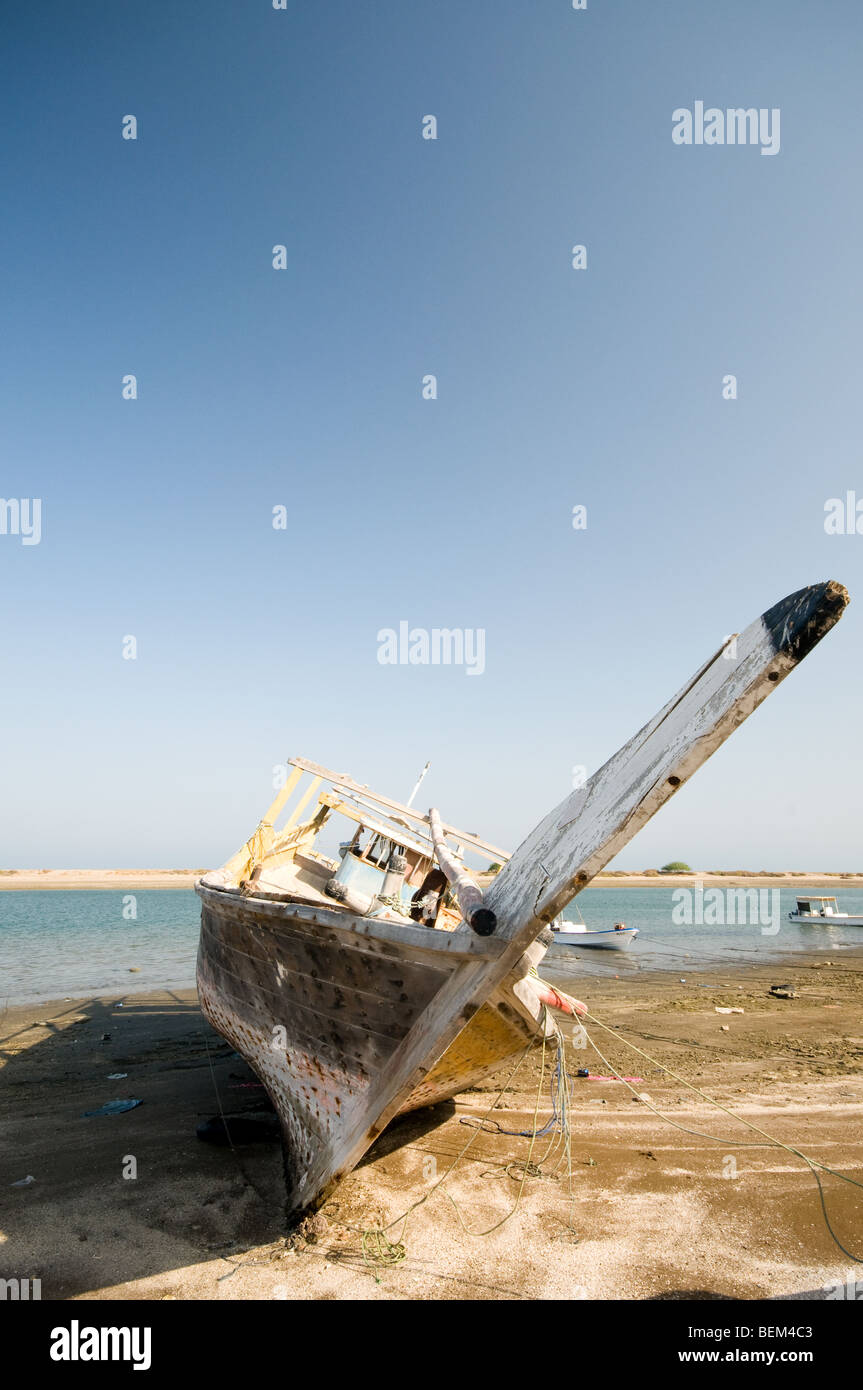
[813, 1163]
[394, 902]
[376, 1245]
[224, 1118]
[556, 1113]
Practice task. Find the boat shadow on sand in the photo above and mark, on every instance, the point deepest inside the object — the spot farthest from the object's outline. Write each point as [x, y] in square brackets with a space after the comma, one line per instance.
[131, 1195]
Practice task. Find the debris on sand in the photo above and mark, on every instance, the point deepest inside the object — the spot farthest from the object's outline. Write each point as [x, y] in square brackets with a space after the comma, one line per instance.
[113, 1107]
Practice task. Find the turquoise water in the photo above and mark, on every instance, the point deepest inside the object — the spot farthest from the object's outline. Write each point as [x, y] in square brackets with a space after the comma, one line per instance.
[60, 943]
[663, 945]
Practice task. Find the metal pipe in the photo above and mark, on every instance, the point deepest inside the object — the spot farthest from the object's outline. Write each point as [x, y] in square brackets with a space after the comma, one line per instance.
[467, 893]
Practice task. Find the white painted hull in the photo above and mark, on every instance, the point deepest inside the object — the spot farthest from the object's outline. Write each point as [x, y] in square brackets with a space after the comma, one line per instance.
[605, 940]
[832, 919]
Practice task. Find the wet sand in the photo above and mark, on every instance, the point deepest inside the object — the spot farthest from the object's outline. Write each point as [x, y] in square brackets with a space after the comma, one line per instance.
[654, 1212]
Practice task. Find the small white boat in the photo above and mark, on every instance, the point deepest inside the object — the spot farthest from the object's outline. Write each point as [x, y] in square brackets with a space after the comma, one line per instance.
[619, 938]
[821, 912]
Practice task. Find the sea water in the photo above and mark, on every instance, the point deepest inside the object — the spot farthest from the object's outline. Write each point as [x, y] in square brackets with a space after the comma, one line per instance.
[57, 943]
[664, 943]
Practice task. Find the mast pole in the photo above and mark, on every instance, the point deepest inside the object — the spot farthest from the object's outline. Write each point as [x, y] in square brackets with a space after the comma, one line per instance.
[410, 800]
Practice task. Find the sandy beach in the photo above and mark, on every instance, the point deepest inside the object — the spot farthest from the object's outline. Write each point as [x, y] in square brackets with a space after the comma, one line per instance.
[653, 1212]
[120, 879]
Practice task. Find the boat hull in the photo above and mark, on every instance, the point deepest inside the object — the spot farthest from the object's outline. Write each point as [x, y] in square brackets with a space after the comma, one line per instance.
[832, 919]
[601, 940]
[320, 1004]
[351, 1019]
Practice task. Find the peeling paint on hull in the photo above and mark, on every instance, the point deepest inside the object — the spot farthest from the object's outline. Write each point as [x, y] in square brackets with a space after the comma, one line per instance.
[320, 1012]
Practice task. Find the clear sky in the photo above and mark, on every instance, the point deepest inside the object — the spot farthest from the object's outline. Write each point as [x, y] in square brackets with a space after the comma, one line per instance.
[302, 387]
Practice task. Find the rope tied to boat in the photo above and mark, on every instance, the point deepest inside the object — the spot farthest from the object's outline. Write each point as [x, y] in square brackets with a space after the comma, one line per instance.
[394, 902]
[771, 1142]
[561, 1095]
[377, 1247]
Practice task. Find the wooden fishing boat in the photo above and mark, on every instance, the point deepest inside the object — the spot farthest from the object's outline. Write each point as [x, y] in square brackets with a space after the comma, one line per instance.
[367, 982]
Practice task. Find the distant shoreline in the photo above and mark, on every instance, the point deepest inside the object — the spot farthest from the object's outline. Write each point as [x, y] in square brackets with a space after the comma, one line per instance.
[11, 879]
[123, 879]
[726, 878]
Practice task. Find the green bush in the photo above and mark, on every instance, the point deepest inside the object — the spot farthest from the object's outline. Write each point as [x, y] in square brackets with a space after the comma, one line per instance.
[676, 866]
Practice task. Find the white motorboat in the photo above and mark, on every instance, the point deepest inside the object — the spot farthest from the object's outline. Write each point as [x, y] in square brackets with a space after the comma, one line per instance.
[619, 938]
[822, 912]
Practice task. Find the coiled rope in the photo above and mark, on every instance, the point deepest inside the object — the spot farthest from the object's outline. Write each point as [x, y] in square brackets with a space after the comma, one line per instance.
[379, 1249]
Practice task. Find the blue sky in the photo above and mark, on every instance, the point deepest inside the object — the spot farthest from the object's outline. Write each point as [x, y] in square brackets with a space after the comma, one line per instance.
[302, 387]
